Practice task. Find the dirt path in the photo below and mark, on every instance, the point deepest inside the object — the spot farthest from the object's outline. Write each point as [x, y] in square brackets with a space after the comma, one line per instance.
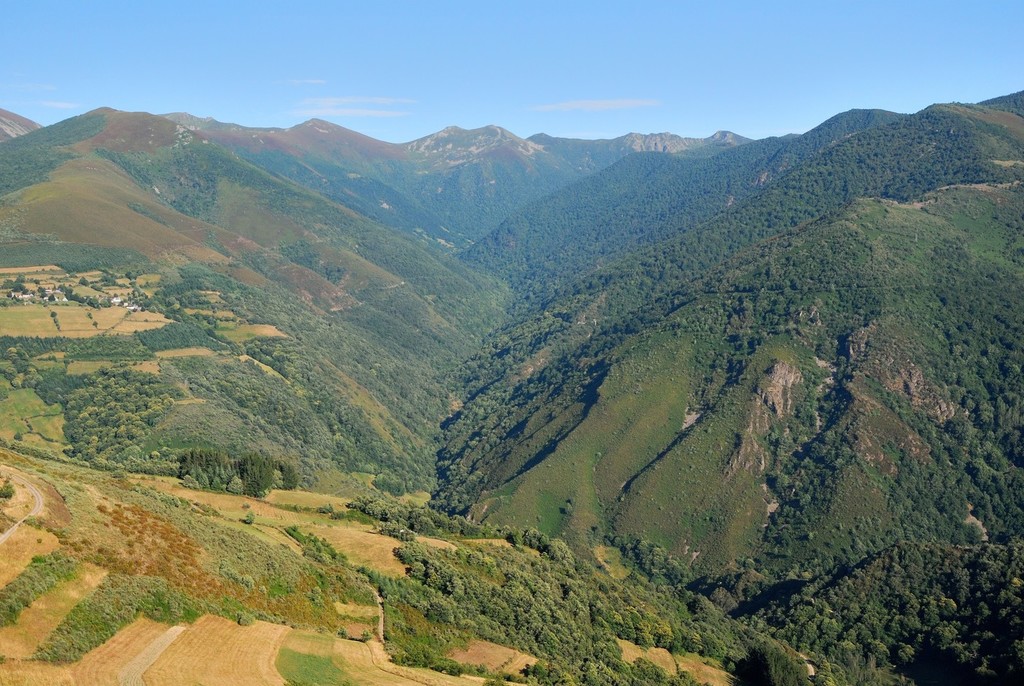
[380, 616]
[36, 509]
[131, 674]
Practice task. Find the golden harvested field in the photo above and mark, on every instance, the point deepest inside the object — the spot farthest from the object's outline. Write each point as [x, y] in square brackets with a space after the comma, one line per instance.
[140, 321]
[494, 657]
[692, 664]
[41, 617]
[306, 499]
[363, 547]
[27, 320]
[18, 673]
[368, 664]
[631, 652]
[88, 366]
[246, 332]
[20, 548]
[49, 270]
[437, 543]
[103, 665]
[704, 673]
[217, 651]
[185, 352]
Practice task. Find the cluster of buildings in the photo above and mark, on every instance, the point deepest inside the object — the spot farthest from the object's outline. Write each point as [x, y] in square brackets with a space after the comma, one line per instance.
[51, 294]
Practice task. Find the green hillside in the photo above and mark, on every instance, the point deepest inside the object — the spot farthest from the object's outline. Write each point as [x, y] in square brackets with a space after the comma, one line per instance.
[641, 200]
[812, 400]
[452, 187]
[298, 328]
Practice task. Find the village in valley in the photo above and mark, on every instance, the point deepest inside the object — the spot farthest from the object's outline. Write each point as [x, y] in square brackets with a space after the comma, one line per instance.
[54, 302]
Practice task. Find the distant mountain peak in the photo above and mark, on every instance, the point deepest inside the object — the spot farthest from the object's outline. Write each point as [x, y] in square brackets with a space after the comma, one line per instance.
[454, 145]
[13, 125]
[669, 142]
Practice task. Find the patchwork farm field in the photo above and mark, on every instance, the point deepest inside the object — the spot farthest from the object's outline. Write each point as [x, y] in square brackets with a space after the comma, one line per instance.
[96, 513]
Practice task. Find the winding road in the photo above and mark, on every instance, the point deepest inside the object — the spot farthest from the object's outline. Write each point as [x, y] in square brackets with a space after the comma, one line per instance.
[36, 509]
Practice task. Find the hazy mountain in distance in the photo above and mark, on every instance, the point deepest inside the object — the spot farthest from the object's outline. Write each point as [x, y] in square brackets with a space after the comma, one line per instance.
[452, 186]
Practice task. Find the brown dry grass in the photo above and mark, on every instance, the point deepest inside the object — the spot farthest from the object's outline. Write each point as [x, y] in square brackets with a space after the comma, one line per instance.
[631, 652]
[87, 366]
[247, 332]
[27, 320]
[18, 673]
[147, 367]
[102, 665]
[20, 548]
[703, 672]
[357, 611]
[306, 499]
[42, 617]
[234, 506]
[185, 352]
[216, 651]
[499, 542]
[364, 547]
[369, 664]
[496, 658]
[437, 543]
[30, 272]
[692, 664]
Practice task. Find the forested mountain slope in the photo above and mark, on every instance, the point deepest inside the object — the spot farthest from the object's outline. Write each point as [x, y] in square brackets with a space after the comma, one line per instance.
[323, 332]
[845, 382]
[642, 200]
[453, 186]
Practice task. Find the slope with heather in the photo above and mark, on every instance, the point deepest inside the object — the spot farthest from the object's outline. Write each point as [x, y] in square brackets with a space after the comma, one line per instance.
[453, 186]
[326, 330]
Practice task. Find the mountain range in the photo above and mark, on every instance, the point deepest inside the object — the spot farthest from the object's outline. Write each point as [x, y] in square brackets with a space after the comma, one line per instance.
[751, 383]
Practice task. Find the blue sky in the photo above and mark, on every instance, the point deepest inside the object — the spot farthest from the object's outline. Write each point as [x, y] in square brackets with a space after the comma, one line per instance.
[401, 70]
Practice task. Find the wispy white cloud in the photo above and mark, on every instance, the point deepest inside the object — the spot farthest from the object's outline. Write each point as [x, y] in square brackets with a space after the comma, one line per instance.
[28, 87]
[348, 112]
[343, 107]
[595, 105]
[58, 105]
[355, 100]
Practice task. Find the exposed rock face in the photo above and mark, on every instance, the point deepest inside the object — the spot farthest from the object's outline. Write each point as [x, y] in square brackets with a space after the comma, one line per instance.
[13, 125]
[669, 142]
[890, 365]
[775, 396]
[777, 390]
